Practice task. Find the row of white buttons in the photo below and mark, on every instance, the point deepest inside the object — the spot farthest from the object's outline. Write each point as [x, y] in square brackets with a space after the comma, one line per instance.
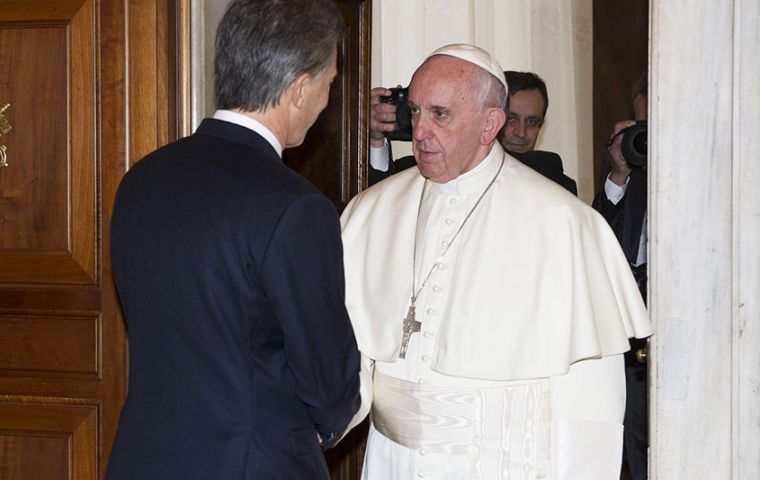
[422, 453]
[440, 265]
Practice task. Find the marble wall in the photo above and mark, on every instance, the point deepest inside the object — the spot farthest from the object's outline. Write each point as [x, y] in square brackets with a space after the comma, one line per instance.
[704, 238]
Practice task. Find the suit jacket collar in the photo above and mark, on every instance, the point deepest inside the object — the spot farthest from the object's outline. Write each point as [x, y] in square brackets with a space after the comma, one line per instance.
[235, 133]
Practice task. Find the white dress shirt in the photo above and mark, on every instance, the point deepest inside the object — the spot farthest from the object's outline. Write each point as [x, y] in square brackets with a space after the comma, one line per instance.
[615, 193]
[250, 123]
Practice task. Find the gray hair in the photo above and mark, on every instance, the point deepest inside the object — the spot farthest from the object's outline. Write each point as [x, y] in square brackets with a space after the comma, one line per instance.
[491, 91]
[262, 46]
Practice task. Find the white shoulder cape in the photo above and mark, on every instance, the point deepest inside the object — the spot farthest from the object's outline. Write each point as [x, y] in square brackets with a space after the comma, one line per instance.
[540, 284]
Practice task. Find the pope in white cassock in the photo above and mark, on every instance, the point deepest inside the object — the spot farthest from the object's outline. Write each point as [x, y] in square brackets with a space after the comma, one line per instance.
[491, 306]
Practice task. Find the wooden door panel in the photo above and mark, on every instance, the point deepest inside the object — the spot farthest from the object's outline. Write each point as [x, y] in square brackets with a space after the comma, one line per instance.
[39, 10]
[84, 104]
[28, 430]
[335, 147]
[44, 344]
[47, 191]
[34, 82]
[21, 453]
[50, 357]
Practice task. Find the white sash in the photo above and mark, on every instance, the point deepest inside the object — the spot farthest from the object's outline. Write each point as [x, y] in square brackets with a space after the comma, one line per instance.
[505, 429]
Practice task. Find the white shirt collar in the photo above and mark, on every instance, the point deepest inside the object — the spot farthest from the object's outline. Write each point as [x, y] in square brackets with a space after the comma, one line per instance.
[250, 123]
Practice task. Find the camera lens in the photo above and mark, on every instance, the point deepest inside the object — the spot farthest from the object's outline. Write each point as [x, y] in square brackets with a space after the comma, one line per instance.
[403, 130]
[633, 145]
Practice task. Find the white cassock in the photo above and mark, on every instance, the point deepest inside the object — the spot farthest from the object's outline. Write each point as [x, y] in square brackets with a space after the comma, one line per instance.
[517, 371]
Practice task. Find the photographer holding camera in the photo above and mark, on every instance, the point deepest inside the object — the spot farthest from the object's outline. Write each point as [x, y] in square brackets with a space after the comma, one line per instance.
[526, 110]
[383, 125]
[622, 201]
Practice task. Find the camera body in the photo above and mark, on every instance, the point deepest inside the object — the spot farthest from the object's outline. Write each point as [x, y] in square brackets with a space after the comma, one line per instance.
[633, 145]
[399, 97]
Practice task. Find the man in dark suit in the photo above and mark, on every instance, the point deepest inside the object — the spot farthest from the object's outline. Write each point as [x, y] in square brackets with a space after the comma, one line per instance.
[622, 201]
[242, 359]
[527, 104]
[548, 164]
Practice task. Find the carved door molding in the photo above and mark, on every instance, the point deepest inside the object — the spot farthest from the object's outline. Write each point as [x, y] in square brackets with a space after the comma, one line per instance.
[87, 83]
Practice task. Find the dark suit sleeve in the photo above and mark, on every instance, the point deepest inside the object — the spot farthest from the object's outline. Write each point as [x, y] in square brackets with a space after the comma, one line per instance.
[610, 211]
[548, 164]
[627, 217]
[615, 215]
[303, 277]
[569, 184]
[374, 175]
[394, 167]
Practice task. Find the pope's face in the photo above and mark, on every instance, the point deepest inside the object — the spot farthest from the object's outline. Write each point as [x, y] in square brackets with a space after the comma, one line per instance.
[446, 118]
[525, 117]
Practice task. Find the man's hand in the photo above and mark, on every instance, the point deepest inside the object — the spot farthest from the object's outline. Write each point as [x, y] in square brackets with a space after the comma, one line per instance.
[382, 117]
[619, 168]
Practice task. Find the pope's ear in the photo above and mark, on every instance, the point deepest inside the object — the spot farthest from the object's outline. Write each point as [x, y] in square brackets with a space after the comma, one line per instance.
[297, 90]
[495, 118]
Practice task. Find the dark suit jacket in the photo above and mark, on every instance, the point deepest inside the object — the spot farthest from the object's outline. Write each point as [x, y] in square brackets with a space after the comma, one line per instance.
[394, 166]
[548, 164]
[627, 217]
[229, 271]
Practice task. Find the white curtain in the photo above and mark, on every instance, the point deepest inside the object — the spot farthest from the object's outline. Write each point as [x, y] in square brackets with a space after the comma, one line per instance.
[550, 37]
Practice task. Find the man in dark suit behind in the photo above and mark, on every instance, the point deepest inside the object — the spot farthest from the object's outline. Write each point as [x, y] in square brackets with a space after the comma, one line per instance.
[622, 201]
[242, 360]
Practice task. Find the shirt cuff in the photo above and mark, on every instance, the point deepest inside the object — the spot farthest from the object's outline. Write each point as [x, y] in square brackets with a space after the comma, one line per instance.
[614, 191]
[378, 157]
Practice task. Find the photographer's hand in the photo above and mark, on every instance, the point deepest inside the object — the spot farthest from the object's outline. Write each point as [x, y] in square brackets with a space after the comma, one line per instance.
[382, 117]
[619, 168]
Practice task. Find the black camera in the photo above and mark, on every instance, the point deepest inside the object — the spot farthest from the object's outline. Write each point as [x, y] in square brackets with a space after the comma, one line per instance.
[633, 145]
[399, 97]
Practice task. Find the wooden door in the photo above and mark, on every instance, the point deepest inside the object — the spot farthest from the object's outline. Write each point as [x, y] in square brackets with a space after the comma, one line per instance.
[86, 83]
[334, 158]
[334, 153]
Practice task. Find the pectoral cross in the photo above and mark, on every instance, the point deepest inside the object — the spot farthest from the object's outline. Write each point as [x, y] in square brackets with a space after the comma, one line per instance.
[410, 326]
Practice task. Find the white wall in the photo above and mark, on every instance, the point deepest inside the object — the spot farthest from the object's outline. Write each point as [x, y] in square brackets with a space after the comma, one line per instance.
[213, 12]
[704, 284]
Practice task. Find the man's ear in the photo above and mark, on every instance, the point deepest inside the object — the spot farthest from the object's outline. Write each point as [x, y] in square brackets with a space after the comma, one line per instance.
[297, 90]
[495, 118]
